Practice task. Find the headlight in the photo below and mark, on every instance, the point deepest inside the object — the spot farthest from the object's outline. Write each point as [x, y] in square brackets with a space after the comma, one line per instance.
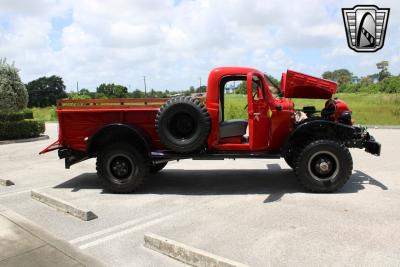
[345, 118]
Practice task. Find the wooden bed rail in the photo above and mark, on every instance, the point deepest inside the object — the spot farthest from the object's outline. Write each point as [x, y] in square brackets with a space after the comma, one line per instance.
[113, 103]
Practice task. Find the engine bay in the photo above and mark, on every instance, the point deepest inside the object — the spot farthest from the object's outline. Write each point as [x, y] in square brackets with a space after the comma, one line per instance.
[334, 110]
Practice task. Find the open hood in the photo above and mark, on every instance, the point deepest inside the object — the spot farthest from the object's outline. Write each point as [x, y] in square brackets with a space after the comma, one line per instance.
[299, 85]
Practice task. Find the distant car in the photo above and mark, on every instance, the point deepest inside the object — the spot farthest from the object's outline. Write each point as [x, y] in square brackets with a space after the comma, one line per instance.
[132, 138]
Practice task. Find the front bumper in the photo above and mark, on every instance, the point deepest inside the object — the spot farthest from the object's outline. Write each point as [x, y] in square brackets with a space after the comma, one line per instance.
[363, 139]
[373, 147]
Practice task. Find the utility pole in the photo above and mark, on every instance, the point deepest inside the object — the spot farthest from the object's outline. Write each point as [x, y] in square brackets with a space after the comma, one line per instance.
[77, 87]
[144, 81]
[200, 83]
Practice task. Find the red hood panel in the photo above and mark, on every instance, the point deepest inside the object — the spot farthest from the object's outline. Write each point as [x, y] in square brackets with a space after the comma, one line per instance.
[299, 85]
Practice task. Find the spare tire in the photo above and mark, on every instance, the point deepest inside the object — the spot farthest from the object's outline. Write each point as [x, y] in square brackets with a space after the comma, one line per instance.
[183, 124]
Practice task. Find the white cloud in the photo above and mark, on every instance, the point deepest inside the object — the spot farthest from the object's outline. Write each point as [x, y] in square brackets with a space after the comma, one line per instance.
[174, 44]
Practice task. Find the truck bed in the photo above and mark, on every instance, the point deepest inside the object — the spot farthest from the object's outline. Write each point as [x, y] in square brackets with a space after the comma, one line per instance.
[80, 119]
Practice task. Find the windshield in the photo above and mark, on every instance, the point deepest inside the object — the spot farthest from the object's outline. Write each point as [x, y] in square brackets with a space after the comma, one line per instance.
[275, 90]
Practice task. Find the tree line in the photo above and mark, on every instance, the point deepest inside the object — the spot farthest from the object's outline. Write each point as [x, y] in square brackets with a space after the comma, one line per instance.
[382, 81]
[45, 91]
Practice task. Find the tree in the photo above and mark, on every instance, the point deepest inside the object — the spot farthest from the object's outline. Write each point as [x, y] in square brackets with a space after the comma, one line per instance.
[341, 76]
[241, 88]
[274, 80]
[201, 89]
[383, 66]
[137, 94]
[328, 75]
[112, 90]
[84, 91]
[390, 84]
[75, 95]
[13, 94]
[45, 91]
[366, 81]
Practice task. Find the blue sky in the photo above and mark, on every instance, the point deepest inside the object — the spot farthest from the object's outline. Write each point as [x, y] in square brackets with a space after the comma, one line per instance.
[174, 42]
[58, 23]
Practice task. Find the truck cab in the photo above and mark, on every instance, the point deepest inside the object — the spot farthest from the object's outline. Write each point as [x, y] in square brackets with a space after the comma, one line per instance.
[260, 131]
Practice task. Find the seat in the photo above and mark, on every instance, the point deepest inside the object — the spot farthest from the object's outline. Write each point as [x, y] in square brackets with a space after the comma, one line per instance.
[232, 128]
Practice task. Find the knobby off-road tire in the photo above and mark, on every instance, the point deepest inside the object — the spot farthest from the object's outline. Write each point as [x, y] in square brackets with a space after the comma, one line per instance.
[289, 160]
[156, 167]
[292, 155]
[183, 124]
[122, 168]
[324, 166]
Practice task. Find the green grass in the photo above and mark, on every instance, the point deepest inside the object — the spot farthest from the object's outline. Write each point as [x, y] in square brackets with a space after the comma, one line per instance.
[45, 114]
[373, 109]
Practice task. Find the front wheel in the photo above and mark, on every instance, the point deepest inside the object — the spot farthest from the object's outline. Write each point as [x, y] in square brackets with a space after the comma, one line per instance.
[289, 159]
[156, 167]
[122, 168]
[324, 166]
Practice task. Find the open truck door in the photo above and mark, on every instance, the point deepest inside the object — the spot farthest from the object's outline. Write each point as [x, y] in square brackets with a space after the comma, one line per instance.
[259, 121]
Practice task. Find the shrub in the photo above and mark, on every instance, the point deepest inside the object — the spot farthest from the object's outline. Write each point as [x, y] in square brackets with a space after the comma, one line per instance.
[13, 94]
[390, 84]
[73, 95]
[16, 116]
[21, 129]
[28, 114]
[11, 116]
[371, 88]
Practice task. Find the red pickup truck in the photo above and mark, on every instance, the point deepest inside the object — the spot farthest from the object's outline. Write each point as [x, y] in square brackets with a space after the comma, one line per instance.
[132, 138]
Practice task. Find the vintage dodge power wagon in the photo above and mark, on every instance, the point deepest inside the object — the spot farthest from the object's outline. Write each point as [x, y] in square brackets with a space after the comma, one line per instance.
[133, 138]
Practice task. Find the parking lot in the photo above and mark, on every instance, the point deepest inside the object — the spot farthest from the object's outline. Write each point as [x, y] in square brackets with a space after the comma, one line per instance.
[250, 211]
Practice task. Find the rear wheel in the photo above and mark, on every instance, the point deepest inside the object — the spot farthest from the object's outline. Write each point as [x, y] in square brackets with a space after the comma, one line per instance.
[324, 166]
[122, 168]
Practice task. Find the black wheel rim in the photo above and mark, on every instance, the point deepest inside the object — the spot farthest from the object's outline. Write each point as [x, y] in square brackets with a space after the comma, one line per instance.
[121, 168]
[323, 166]
[182, 126]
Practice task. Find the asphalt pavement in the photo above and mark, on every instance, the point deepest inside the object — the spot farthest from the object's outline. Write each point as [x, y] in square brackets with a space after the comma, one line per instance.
[250, 211]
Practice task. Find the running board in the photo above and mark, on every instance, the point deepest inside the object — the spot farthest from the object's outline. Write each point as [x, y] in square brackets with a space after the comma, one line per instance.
[164, 155]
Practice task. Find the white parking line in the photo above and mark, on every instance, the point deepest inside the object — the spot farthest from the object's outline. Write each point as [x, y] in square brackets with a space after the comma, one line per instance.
[116, 227]
[23, 191]
[129, 230]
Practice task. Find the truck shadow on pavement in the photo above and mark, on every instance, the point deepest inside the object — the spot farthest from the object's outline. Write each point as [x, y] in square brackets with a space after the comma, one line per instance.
[274, 182]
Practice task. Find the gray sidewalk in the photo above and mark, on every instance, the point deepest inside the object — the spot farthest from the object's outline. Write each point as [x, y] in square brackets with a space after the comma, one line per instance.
[22, 243]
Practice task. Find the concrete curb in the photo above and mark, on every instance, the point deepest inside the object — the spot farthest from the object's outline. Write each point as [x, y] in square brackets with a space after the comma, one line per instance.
[4, 182]
[59, 244]
[186, 254]
[39, 138]
[83, 214]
